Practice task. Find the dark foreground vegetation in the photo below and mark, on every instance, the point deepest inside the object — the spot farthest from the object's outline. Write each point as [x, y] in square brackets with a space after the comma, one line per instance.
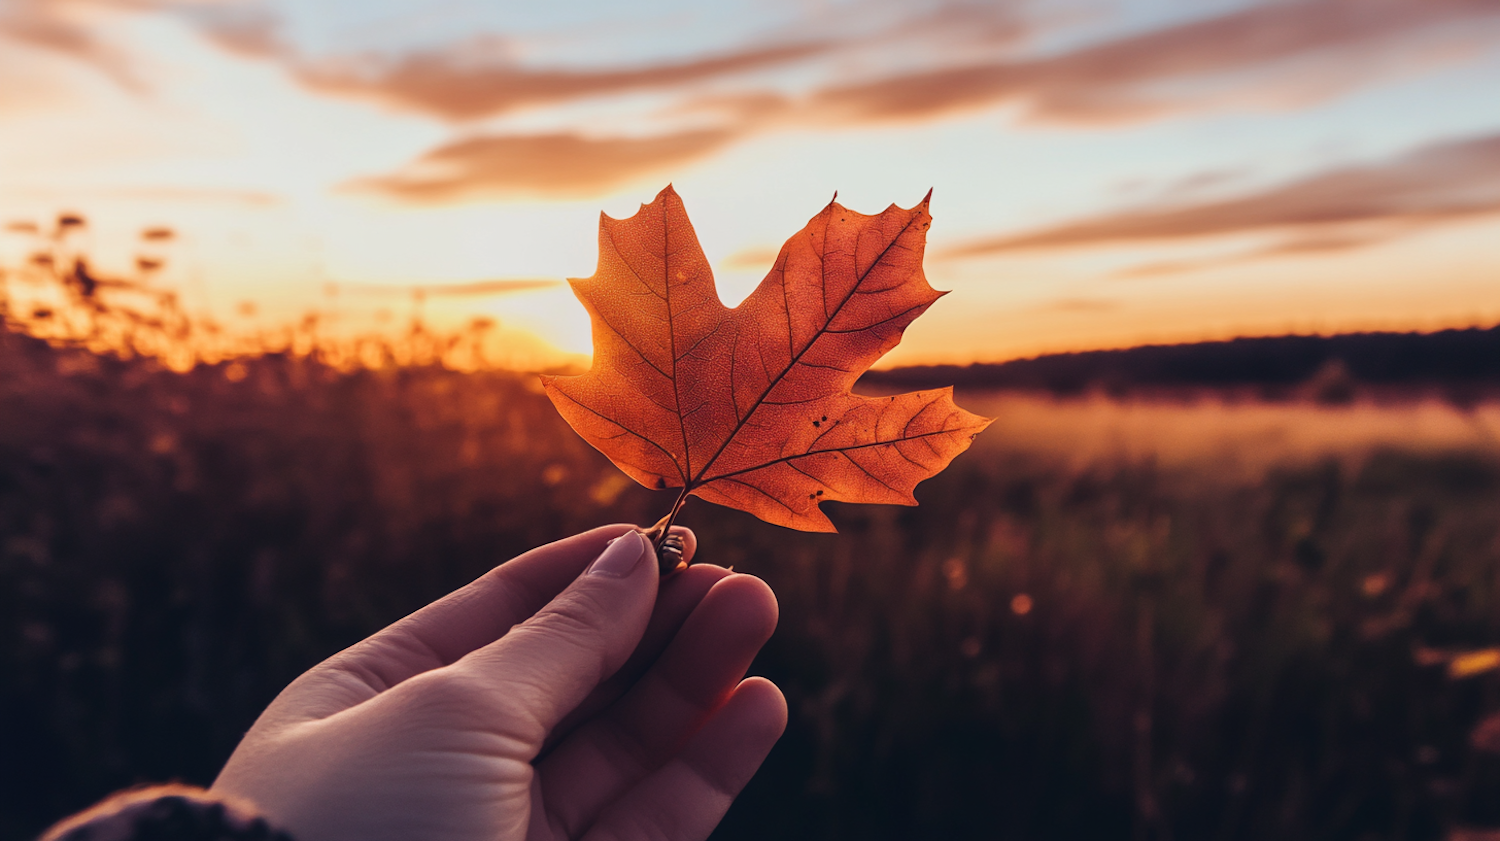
[1042, 649]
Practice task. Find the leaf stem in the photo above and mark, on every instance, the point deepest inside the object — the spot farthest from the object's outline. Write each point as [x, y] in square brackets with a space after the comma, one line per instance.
[658, 533]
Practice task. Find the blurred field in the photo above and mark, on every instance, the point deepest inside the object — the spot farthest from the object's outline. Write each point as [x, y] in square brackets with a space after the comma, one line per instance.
[1200, 619]
[1205, 432]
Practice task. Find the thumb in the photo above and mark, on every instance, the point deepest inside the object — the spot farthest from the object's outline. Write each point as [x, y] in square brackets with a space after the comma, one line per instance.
[546, 666]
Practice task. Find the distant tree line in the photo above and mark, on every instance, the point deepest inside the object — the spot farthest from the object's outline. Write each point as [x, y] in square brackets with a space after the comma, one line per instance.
[1455, 361]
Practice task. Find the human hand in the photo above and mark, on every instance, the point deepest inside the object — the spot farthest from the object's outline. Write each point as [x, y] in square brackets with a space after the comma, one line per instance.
[535, 703]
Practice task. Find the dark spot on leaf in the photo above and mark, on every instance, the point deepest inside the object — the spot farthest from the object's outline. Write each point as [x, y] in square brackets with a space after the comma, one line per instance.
[661, 484]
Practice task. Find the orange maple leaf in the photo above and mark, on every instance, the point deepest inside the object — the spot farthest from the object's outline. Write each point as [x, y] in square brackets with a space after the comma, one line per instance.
[751, 407]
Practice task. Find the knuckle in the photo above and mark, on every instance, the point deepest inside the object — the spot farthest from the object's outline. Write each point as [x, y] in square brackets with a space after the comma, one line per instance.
[454, 690]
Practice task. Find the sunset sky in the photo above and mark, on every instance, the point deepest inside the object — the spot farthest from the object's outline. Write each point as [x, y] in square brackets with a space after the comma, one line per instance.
[1104, 173]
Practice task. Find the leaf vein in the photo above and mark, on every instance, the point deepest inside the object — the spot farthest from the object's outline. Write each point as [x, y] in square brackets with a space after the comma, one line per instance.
[891, 443]
[774, 381]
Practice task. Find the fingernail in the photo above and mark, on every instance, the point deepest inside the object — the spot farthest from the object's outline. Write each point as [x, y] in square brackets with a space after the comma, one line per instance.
[620, 556]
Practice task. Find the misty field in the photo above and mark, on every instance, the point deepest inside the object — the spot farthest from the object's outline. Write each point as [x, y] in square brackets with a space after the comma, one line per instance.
[1200, 619]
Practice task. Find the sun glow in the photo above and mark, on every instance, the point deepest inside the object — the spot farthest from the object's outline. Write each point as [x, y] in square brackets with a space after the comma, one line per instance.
[307, 154]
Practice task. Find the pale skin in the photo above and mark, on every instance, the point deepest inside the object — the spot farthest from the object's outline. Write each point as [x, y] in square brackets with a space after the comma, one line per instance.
[557, 697]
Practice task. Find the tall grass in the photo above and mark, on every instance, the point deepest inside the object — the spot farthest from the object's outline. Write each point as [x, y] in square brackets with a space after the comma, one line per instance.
[53, 292]
[1064, 640]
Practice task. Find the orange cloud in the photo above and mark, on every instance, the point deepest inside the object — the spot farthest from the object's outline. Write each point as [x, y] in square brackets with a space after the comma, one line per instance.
[447, 87]
[1280, 53]
[1081, 305]
[1283, 51]
[541, 164]
[1263, 50]
[1431, 184]
[1294, 246]
[54, 25]
[244, 29]
[475, 289]
[253, 198]
[1276, 52]
[465, 82]
[72, 28]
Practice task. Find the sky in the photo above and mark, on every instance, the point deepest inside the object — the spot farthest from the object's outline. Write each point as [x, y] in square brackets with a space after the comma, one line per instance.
[1105, 173]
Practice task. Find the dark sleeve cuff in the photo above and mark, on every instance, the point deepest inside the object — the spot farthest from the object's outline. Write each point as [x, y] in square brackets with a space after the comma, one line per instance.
[167, 813]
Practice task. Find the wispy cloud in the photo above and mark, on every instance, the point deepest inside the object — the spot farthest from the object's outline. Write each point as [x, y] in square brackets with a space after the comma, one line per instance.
[222, 195]
[446, 86]
[560, 164]
[474, 289]
[1287, 52]
[1295, 246]
[243, 28]
[1280, 52]
[76, 29]
[63, 27]
[473, 79]
[1080, 305]
[1431, 184]
[152, 193]
[1275, 54]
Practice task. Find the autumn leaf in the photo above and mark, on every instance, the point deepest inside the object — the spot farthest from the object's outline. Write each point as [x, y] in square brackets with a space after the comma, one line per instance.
[751, 407]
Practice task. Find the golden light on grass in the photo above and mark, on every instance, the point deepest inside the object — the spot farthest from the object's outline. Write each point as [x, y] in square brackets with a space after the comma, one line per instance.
[1472, 663]
[1021, 604]
[1375, 584]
